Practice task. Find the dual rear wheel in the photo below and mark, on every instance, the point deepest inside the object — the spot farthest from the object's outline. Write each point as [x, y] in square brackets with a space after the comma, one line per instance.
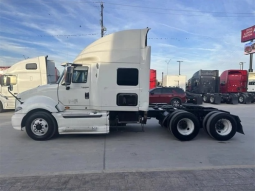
[185, 126]
[219, 125]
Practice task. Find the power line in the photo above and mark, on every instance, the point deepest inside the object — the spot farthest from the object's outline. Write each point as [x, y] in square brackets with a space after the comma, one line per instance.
[173, 9]
[227, 16]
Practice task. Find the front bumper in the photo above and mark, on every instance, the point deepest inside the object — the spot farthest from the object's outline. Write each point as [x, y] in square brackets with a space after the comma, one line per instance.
[16, 120]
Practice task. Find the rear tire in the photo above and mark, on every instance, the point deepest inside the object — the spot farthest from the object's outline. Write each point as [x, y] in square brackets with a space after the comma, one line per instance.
[221, 126]
[212, 99]
[41, 126]
[184, 126]
[165, 122]
[241, 99]
[175, 103]
[1, 107]
[205, 99]
[206, 119]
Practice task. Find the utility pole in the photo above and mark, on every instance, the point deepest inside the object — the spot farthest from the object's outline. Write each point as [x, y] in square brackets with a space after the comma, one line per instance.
[241, 65]
[162, 79]
[102, 22]
[179, 67]
[250, 69]
[167, 66]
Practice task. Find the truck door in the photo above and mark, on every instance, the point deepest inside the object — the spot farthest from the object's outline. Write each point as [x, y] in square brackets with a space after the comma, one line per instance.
[77, 95]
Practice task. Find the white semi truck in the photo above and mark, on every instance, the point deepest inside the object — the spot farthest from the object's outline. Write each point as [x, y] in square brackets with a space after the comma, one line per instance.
[25, 75]
[108, 85]
[251, 85]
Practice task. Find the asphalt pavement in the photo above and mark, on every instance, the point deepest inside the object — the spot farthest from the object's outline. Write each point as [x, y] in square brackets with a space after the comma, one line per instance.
[129, 159]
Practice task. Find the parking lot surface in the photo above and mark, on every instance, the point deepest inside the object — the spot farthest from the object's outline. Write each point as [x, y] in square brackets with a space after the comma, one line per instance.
[126, 149]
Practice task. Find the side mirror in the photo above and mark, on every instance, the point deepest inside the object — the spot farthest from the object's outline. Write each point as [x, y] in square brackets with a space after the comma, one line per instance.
[69, 74]
[11, 80]
[152, 93]
[10, 87]
[8, 81]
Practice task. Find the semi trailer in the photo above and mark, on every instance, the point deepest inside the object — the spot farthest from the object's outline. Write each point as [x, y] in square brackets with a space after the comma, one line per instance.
[108, 85]
[25, 75]
[229, 87]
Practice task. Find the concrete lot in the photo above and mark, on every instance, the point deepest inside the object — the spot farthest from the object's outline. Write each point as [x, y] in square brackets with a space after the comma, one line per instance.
[128, 149]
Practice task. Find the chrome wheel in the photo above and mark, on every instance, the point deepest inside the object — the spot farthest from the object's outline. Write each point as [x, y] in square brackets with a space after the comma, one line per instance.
[211, 99]
[39, 126]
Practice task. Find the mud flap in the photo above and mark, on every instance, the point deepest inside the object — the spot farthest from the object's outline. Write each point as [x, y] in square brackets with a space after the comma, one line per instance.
[217, 99]
[234, 99]
[239, 125]
[247, 99]
[198, 100]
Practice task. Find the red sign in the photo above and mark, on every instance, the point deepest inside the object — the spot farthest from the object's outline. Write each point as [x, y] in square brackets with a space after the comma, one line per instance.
[248, 34]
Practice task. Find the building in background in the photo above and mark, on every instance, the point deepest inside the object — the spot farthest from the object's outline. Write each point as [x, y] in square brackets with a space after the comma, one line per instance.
[175, 81]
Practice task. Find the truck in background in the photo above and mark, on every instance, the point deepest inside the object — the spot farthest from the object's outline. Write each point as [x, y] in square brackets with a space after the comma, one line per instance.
[251, 85]
[229, 87]
[25, 75]
[175, 81]
[153, 78]
[97, 92]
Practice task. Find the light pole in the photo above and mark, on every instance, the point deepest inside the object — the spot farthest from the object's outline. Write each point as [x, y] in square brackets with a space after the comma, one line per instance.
[179, 67]
[162, 79]
[167, 66]
[241, 65]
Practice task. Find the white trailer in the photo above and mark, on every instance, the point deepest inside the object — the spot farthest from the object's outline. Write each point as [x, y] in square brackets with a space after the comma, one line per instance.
[108, 85]
[175, 81]
[25, 75]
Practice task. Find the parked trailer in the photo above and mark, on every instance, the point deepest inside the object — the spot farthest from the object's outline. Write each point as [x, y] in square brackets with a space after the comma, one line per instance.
[108, 85]
[230, 87]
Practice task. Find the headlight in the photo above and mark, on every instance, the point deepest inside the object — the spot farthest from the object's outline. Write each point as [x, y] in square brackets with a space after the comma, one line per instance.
[18, 108]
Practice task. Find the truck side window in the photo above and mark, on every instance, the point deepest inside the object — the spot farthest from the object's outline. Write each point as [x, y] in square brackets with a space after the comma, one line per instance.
[127, 76]
[80, 76]
[31, 66]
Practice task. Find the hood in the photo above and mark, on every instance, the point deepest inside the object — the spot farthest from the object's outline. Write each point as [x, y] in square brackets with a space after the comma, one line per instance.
[49, 90]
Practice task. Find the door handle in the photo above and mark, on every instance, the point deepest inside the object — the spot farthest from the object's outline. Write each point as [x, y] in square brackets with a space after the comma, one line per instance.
[87, 95]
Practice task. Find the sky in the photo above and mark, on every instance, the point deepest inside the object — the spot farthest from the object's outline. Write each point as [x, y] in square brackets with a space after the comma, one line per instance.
[204, 34]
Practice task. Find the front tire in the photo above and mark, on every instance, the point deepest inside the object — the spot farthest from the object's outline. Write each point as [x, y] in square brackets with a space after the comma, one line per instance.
[184, 126]
[1, 107]
[41, 126]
